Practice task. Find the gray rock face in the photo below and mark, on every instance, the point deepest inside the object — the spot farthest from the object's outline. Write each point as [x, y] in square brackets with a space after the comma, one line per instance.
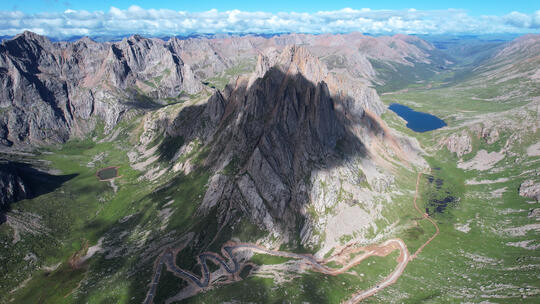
[534, 213]
[271, 130]
[12, 186]
[490, 135]
[264, 134]
[204, 57]
[487, 131]
[530, 189]
[354, 94]
[459, 144]
[52, 91]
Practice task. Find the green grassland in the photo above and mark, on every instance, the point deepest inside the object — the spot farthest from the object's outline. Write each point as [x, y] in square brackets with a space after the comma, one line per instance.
[458, 265]
[83, 210]
[477, 263]
[470, 261]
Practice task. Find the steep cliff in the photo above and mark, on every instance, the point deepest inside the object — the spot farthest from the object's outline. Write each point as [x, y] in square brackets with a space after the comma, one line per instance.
[52, 91]
[12, 186]
[294, 153]
[271, 138]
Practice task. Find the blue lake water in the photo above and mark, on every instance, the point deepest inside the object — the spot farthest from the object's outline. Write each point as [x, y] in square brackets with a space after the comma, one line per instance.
[417, 121]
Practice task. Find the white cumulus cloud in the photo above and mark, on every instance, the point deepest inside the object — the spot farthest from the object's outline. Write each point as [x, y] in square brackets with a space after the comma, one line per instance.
[169, 22]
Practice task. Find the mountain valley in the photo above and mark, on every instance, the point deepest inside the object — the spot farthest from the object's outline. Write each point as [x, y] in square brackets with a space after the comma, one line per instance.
[254, 169]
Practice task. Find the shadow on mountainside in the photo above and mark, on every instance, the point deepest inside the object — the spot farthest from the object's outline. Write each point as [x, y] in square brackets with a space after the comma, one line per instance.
[260, 143]
[264, 141]
[28, 182]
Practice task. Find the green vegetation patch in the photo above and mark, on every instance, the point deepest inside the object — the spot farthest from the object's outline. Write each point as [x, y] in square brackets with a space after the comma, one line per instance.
[266, 259]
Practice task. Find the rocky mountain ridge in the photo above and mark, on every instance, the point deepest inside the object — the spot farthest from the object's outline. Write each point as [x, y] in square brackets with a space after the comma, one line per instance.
[341, 53]
[272, 138]
[278, 142]
[53, 91]
[266, 133]
[516, 62]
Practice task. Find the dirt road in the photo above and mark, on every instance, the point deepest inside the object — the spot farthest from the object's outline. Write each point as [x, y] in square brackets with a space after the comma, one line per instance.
[426, 216]
[228, 261]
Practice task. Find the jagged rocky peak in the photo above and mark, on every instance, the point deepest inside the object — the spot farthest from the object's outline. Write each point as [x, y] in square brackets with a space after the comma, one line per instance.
[299, 60]
[281, 132]
[149, 64]
[28, 46]
[292, 60]
[272, 129]
[50, 92]
[140, 52]
[27, 41]
[356, 95]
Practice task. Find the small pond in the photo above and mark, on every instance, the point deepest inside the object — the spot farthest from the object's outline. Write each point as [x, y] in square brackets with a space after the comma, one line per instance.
[107, 173]
[417, 121]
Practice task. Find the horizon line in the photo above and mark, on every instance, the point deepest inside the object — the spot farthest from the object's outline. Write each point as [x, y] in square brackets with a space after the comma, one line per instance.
[165, 37]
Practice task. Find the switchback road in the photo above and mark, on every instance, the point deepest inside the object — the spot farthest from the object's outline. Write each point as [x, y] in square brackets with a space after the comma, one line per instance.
[229, 262]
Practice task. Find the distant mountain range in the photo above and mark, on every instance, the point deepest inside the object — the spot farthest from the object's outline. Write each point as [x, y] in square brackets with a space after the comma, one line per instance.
[439, 40]
[73, 83]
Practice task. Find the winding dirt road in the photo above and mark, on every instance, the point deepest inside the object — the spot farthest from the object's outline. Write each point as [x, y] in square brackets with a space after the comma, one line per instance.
[426, 216]
[233, 267]
[403, 260]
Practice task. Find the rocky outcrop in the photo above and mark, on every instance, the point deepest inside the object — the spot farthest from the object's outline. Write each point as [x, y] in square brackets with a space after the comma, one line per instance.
[490, 135]
[269, 132]
[534, 213]
[50, 92]
[12, 186]
[530, 189]
[486, 131]
[459, 143]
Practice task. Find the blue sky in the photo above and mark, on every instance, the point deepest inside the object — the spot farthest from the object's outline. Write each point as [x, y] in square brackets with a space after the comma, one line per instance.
[474, 8]
[64, 18]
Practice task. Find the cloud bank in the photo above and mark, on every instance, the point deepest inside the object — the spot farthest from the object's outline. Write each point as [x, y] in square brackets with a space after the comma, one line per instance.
[168, 22]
